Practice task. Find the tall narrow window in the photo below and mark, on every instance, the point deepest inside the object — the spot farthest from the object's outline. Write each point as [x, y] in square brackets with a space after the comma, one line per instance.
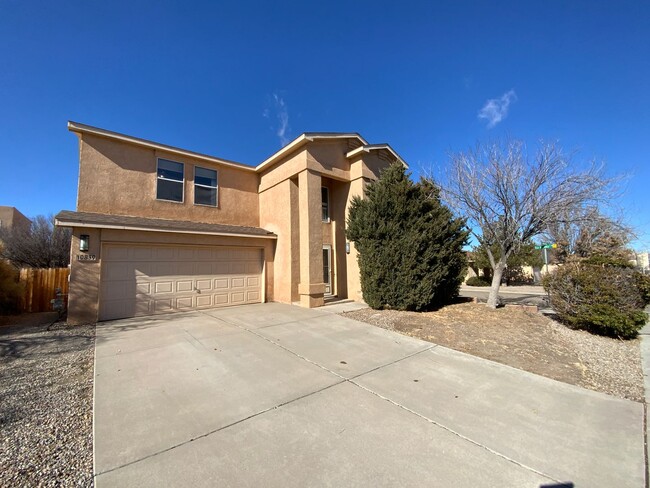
[325, 197]
[170, 181]
[205, 186]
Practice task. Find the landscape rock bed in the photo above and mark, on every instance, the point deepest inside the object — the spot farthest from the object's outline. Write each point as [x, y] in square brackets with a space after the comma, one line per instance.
[524, 340]
[46, 388]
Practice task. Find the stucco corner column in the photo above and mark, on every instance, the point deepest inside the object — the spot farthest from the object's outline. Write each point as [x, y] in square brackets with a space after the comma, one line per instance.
[311, 288]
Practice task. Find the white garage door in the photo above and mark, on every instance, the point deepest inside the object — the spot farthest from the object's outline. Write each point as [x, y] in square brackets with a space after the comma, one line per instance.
[149, 279]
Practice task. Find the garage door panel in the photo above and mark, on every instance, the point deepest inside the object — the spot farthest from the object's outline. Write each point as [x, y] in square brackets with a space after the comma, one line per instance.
[143, 288]
[204, 284]
[204, 255]
[185, 303]
[237, 267]
[118, 290]
[221, 268]
[221, 283]
[163, 287]
[204, 301]
[141, 307]
[140, 280]
[141, 254]
[116, 253]
[119, 271]
[163, 305]
[163, 269]
[186, 268]
[184, 286]
[221, 255]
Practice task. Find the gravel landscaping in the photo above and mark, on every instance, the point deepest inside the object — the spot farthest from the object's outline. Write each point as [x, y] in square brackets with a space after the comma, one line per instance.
[46, 388]
[526, 340]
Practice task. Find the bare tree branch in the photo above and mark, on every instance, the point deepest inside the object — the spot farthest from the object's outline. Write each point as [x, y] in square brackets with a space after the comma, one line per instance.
[508, 198]
[42, 245]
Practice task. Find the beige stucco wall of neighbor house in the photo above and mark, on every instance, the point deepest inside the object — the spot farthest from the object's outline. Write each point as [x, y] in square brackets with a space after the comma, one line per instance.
[118, 177]
[11, 217]
[83, 305]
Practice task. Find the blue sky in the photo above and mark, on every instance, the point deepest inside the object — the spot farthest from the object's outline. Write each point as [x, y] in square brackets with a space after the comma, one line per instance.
[239, 79]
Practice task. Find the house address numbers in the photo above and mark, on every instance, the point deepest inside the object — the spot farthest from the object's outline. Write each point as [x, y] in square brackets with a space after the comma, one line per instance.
[86, 257]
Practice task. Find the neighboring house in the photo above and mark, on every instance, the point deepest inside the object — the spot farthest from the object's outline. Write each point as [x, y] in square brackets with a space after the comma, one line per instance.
[641, 261]
[160, 229]
[10, 218]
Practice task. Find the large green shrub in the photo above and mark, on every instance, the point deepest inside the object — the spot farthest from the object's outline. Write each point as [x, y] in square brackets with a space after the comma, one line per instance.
[10, 289]
[409, 244]
[478, 281]
[601, 298]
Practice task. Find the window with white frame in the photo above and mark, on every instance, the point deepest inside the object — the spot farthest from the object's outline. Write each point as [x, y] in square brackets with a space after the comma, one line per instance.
[325, 199]
[205, 186]
[171, 180]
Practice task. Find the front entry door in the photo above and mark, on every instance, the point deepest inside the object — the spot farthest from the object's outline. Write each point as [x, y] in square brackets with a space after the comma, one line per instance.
[327, 269]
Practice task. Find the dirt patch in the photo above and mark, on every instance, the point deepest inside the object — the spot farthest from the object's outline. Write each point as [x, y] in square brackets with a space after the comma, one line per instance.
[526, 340]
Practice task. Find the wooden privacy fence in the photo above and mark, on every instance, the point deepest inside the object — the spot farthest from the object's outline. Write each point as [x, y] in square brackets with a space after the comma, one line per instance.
[40, 287]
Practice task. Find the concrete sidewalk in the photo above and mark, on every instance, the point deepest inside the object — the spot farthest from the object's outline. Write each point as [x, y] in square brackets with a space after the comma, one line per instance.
[277, 395]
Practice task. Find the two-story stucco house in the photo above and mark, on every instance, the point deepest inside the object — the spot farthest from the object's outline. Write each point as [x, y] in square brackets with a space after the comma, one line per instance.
[161, 229]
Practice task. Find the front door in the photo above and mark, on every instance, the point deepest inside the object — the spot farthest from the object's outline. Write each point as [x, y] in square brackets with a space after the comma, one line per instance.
[327, 269]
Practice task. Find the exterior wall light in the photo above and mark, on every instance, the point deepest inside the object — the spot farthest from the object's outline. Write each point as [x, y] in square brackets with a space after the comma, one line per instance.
[347, 247]
[84, 242]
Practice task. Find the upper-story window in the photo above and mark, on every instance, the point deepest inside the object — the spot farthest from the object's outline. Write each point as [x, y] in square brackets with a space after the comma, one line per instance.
[205, 186]
[325, 198]
[171, 181]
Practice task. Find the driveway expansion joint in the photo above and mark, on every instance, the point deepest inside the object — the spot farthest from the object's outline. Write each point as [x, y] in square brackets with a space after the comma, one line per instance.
[458, 434]
[224, 427]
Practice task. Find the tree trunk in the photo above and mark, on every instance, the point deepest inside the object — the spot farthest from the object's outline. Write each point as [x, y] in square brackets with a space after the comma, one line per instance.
[493, 298]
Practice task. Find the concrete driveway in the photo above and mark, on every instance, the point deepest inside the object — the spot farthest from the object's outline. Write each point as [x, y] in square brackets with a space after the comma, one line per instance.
[280, 396]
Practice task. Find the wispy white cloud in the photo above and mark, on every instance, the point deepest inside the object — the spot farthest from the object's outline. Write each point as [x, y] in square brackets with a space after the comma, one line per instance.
[496, 109]
[278, 110]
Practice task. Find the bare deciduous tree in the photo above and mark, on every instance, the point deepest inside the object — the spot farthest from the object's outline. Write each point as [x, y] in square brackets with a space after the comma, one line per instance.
[586, 232]
[509, 198]
[42, 245]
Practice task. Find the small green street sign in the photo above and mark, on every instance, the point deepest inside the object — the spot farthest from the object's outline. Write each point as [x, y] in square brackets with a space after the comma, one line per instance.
[546, 246]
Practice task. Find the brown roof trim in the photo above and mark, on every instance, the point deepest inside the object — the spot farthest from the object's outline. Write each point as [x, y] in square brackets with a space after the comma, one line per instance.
[78, 128]
[67, 218]
[376, 147]
[303, 139]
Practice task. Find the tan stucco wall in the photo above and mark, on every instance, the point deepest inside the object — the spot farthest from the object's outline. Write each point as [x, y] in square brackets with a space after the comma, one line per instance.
[311, 287]
[338, 200]
[83, 294]
[355, 187]
[286, 168]
[83, 304]
[120, 178]
[275, 216]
